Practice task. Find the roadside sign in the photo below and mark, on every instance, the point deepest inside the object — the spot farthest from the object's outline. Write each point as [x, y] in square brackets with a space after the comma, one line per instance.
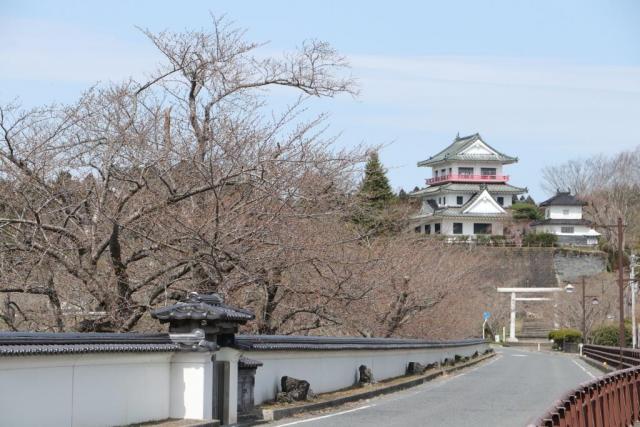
[486, 315]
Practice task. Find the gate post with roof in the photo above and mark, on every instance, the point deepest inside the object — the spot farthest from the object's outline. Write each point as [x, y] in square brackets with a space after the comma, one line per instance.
[200, 324]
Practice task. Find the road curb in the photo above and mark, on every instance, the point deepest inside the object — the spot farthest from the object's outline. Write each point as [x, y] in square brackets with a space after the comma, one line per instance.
[276, 414]
[597, 365]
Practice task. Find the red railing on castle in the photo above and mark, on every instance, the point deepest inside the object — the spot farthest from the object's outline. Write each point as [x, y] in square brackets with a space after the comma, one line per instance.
[612, 400]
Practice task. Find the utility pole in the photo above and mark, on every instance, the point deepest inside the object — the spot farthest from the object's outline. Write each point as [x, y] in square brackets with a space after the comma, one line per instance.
[634, 291]
[584, 314]
[620, 290]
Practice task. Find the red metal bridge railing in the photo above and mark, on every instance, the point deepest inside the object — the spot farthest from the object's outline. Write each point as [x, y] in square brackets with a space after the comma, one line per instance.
[612, 400]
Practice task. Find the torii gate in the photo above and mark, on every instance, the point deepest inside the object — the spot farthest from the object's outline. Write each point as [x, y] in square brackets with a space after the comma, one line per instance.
[513, 292]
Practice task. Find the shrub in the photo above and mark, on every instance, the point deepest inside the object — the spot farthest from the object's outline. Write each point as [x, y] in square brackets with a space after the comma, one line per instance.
[560, 336]
[608, 335]
[540, 239]
[525, 211]
[497, 240]
[483, 240]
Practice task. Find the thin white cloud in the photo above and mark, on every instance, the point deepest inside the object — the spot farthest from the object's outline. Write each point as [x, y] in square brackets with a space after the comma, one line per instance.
[35, 49]
[504, 96]
[502, 72]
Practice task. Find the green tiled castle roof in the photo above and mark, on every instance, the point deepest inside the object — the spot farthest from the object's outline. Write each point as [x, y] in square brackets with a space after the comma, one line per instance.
[453, 152]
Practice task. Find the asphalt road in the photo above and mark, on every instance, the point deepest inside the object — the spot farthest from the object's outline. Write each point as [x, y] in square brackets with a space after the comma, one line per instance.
[514, 387]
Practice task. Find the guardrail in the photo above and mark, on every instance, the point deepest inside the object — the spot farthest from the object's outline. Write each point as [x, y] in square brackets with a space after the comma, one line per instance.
[611, 355]
[612, 400]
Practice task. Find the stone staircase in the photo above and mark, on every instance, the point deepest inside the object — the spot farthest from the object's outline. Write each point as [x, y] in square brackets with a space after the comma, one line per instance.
[533, 332]
[537, 329]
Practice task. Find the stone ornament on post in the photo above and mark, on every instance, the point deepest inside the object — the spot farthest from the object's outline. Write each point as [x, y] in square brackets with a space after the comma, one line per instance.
[202, 322]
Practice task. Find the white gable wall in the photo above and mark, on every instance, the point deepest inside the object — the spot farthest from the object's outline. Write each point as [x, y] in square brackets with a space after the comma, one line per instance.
[478, 147]
[484, 204]
[563, 212]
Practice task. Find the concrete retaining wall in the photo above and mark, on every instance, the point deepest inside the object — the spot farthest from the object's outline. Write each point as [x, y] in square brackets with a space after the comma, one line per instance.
[570, 265]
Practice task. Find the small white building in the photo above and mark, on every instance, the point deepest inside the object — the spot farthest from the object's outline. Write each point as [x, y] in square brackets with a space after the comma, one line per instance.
[563, 217]
[468, 193]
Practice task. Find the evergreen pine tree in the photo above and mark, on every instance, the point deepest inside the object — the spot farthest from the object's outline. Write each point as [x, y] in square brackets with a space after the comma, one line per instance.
[374, 196]
[375, 190]
[402, 195]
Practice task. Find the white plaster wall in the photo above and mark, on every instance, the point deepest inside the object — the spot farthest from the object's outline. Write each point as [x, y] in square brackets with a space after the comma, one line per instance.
[84, 390]
[332, 370]
[557, 212]
[191, 385]
[557, 229]
[497, 227]
[507, 199]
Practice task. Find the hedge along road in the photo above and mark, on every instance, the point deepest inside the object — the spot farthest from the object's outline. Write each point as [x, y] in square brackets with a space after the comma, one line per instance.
[510, 389]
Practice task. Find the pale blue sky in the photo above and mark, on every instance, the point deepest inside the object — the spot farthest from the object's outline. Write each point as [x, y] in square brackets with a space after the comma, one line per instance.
[542, 80]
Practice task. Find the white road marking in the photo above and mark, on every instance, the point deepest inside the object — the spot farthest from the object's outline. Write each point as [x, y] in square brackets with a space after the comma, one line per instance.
[583, 368]
[519, 355]
[324, 416]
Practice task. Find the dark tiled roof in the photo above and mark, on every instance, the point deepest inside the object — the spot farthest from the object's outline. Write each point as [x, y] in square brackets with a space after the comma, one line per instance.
[563, 199]
[458, 211]
[202, 307]
[34, 343]
[467, 188]
[560, 221]
[452, 152]
[432, 204]
[246, 363]
[27, 350]
[301, 343]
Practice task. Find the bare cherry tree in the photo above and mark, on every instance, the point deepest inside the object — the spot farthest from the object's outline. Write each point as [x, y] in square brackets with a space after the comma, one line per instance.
[140, 192]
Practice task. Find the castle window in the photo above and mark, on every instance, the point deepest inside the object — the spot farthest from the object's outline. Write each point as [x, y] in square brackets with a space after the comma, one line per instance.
[500, 201]
[566, 230]
[436, 228]
[417, 229]
[465, 171]
[480, 228]
[427, 229]
[488, 171]
[457, 228]
[459, 200]
[565, 212]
